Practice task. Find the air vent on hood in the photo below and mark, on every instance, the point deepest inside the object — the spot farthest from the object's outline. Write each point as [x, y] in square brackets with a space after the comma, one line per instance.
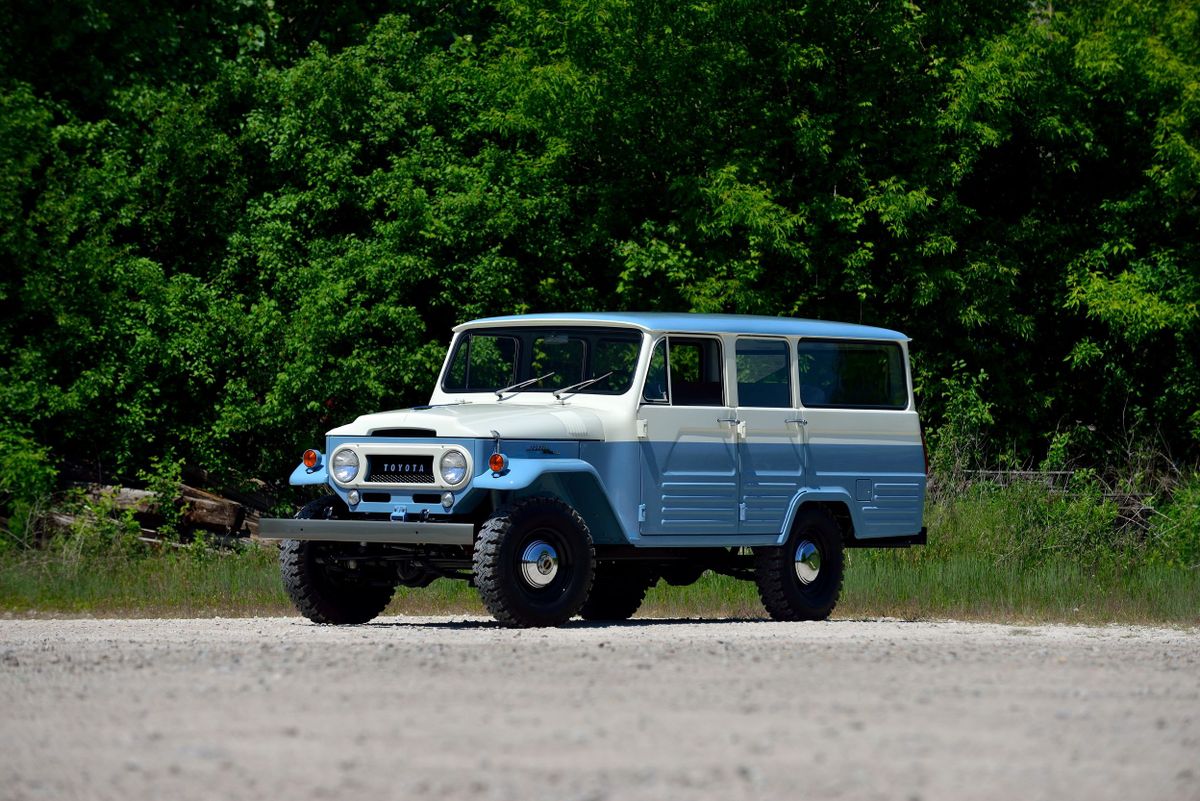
[403, 432]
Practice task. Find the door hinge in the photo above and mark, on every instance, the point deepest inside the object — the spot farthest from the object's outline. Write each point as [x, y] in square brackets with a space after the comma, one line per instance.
[642, 429]
[741, 511]
[642, 513]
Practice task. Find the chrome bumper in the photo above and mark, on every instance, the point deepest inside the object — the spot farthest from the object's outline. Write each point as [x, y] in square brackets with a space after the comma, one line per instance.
[286, 528]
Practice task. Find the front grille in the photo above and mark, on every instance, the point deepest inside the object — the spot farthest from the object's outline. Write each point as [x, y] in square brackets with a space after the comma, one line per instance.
[400, 469]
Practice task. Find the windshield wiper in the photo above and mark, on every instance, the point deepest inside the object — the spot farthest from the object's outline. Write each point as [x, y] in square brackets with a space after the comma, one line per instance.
[581, 385]
[520, 385]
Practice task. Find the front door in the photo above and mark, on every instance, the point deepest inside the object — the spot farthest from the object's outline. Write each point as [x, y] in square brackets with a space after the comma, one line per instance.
[689, 441]
[771, 444]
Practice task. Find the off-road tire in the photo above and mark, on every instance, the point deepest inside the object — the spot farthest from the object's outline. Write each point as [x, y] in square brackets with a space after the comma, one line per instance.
[318, 596]
[497, 563]
[617, 591]
[783, 594]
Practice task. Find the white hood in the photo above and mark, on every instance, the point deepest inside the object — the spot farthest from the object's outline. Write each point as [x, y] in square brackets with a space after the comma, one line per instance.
[480, 420]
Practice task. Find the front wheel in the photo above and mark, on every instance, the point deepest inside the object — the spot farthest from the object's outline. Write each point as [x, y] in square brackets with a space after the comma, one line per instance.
[322, 588]
[803, 579]
[534, 563]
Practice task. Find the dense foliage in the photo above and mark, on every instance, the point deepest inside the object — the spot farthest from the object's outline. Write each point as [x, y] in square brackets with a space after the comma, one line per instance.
[226, 226]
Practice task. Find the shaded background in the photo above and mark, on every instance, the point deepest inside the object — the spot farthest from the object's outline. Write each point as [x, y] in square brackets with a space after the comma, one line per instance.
[228, 226]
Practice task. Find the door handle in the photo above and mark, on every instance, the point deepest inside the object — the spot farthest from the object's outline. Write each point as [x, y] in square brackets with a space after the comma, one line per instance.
[798, 420]
[739, 426]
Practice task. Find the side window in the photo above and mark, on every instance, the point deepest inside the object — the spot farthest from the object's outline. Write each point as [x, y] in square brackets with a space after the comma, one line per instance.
[764, 373]
[695, 366]
[866, 375]
[655, 390]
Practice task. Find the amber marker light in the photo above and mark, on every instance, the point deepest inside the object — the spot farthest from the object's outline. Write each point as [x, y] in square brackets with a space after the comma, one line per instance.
[498, 462]
[311, 458]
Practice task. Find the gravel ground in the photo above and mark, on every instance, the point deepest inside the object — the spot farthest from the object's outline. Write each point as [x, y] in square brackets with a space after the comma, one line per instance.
[453, 708]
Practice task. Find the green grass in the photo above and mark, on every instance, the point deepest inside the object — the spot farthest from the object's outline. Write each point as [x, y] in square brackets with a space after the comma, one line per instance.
[1017, 553]
[906, 585]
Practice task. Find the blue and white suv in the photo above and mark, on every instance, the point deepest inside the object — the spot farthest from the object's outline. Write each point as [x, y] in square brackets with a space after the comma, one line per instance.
[567, 462]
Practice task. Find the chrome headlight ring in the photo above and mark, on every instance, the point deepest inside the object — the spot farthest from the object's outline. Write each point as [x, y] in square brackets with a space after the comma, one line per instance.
[453, 467]
[344, 466]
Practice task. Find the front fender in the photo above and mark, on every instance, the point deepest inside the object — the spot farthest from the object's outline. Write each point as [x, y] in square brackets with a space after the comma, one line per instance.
[521, 473]
[305, 476]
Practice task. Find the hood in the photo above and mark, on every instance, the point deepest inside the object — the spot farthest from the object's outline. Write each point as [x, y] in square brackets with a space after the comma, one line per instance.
[479, 420]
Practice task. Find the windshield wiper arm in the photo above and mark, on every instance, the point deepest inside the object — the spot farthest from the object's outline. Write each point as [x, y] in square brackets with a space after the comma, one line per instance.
[581, 385]
[520, 385]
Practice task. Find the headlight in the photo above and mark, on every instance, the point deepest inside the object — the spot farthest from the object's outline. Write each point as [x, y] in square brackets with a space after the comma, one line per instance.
[454, 467]
[345, 466]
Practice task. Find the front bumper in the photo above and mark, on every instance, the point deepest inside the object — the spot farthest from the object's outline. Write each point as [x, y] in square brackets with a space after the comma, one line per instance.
[384, 531]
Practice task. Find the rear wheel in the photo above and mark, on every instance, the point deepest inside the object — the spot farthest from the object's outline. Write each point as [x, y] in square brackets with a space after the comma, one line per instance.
[320, 586]
[618, 591]
[534, 563]
[803, 579]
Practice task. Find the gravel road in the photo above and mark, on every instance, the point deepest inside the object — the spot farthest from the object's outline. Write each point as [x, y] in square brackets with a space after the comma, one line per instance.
[453, 708]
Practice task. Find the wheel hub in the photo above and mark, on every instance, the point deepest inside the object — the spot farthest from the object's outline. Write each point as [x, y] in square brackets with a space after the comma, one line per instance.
[808, 562]
[539, 564]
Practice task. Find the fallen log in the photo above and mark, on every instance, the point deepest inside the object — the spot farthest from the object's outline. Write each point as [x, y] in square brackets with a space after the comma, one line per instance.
[198, 507]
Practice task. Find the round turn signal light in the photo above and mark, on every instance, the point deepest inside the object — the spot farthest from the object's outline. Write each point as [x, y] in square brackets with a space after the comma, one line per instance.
[498, 462]
[310, 458]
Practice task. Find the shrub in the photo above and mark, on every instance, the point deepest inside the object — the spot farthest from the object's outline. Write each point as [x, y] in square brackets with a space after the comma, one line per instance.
[27, 478]
[1175, 533]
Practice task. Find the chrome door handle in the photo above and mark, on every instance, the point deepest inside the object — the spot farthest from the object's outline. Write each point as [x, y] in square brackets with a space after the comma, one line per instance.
[732, 420]
[799, 420]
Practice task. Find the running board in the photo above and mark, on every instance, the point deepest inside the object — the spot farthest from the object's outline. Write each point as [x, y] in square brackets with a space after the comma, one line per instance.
[383, 531]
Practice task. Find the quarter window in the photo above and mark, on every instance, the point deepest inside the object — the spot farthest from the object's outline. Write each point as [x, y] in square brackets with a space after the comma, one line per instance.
[864, 375]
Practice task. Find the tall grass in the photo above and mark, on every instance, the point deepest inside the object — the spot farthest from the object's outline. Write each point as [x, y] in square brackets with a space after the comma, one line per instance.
[1015, 553]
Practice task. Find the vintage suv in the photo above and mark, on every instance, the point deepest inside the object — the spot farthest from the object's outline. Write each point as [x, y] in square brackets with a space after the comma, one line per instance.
[567, 462]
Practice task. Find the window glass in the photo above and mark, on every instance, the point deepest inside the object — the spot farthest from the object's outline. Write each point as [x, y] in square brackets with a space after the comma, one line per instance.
[560, 355]
[851, 374]
[763, 373]
[483, 362]
[490, 359]
[655, 390]
[695, 366]
[616, 356]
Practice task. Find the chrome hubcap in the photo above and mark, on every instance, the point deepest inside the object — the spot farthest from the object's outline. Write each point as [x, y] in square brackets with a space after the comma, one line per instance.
[808, 562]
[539, 563]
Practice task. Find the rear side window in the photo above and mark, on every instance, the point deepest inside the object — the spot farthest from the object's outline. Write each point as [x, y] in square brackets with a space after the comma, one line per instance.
[764, 373]
[857, 375]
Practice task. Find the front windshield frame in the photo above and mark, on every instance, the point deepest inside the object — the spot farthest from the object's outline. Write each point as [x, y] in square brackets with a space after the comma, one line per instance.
[593, 340]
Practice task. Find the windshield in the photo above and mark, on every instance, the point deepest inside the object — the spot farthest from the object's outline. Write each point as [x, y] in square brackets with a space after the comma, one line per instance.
[489, 359]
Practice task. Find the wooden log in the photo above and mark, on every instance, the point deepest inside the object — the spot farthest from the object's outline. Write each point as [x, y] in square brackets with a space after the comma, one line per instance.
[124, 498]
[199, 507]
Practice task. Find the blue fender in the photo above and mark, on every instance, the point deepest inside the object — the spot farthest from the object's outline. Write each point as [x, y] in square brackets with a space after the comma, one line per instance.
[834, 494]
[521, 473]
[574, 481]
[303, 476]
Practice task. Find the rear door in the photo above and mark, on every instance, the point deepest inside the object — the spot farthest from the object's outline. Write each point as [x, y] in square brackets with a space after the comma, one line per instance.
[770, 446]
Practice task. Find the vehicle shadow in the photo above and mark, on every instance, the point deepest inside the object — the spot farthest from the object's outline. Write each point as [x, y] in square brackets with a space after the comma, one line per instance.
[636, 623]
